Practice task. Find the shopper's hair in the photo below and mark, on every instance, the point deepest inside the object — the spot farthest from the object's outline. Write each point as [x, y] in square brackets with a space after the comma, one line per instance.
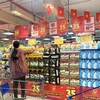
[14, 53]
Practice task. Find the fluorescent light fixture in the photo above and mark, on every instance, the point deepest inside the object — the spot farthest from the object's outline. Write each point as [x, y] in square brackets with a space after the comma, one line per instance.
[55, 36]
[16, 13]
[74, 37]
[69, 33]
[5, 39]
[27, 39]
[22, 13]
[46, 39]
[8, 33]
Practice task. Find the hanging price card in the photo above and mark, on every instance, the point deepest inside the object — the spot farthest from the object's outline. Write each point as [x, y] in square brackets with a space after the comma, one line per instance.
[32, 42]
[86, 38]
[58, 40]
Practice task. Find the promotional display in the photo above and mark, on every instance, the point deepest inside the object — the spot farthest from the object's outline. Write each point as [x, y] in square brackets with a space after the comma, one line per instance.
[69, 66]
[65, 60]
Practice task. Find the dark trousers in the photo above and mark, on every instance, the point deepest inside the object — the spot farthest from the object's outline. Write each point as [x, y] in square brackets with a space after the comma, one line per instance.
[22, 84]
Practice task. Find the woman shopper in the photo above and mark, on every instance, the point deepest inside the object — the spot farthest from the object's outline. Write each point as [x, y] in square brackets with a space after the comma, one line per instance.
[18, 67]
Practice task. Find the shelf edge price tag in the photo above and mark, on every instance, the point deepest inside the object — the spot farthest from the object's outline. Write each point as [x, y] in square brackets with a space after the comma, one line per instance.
[58, 40]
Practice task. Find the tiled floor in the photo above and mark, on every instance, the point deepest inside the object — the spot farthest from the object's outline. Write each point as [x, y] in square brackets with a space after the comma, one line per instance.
[10, 97]
[32, 98]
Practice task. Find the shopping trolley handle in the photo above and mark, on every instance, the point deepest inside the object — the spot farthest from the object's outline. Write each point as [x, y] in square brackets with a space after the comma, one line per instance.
[43, 79]
[40, 83]
[70, 98]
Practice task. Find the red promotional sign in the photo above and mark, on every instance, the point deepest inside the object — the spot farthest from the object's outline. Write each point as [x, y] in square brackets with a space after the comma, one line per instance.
[33, 89]
[17, 31]
[34, 30]
[62, 26]
[58, 92]
[78, 24]
[43, 29]
[55, 92]
[21, 31]
[99, 25]
[93, 94]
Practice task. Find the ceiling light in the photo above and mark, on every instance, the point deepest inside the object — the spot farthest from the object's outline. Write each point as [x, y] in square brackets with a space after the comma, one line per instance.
[16, 13]
[69, 33]
[22, 13]
[46, 39]
[55, 36]
[5, 39]
[74, 37]
[8, 33]
[27, 39]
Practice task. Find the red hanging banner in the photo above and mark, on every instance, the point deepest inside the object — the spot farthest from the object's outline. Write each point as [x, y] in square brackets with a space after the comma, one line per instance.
[86, 15]
[99, 25]
[17, 31]
[43, 29]
[60, 12]
[78, 24]
[73, 13]
[97, 16]
[21, 31]
[34, 30]
[62, 26]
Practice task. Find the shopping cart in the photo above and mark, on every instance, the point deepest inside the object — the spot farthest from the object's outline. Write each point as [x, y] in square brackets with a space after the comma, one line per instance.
[34, 90]
[6, 90]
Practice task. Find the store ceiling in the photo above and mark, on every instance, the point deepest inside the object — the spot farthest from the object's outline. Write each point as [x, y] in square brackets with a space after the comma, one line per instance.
[36, 7]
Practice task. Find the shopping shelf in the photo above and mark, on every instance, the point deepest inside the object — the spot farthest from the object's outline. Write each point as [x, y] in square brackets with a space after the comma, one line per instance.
[71, 97]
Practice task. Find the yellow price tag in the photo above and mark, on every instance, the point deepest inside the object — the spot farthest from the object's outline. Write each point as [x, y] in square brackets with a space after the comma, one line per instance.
[86, 38]
[32, 42]
[58, 41]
